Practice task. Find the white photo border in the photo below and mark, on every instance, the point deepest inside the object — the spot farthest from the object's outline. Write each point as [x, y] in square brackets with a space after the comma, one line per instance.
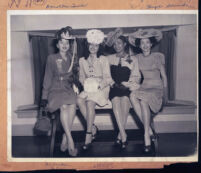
[192, 158]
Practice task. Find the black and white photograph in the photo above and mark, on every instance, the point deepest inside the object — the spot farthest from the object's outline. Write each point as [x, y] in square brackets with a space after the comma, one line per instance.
[102, 85]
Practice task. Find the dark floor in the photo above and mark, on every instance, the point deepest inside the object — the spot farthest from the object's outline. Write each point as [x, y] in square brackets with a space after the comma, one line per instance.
[169, 145]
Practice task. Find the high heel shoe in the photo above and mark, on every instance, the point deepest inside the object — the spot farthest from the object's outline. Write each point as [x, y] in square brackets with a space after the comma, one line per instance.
[124, 144]
[153, 136]
[117, 142]
[72, 152]
[148, 145]
[64, 145]
[150, 149]
[154, 139]
[94, 135]
[88, 145]
[147, 149]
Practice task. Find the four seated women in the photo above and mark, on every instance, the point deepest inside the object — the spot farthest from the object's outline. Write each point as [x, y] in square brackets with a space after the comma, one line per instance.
[115, 77]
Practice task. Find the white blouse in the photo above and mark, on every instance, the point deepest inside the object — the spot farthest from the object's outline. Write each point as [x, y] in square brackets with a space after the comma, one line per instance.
[99, 69]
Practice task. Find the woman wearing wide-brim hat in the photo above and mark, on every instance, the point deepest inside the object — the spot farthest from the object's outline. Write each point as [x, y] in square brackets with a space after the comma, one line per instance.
[126, 76]
[149, 97]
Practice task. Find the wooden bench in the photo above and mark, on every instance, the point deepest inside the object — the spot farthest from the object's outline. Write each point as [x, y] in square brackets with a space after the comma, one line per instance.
[172, 107]
[168, 108]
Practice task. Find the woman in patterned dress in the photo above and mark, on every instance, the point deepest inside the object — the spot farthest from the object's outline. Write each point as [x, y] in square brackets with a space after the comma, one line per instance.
[57, 86]
[126, 76]
[95, 77]
[149, 97]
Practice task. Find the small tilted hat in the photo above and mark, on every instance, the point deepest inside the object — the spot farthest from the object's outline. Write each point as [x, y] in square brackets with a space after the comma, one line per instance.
[65, 33]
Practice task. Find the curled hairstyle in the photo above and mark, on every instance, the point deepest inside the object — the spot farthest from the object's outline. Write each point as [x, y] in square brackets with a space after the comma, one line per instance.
[58, 37]
[152, 40]
[124, 40]
[63, 30]
[126, 48]
[86, 52]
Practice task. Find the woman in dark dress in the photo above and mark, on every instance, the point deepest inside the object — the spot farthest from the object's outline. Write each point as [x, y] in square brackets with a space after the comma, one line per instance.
[126, 77]
[57, 91]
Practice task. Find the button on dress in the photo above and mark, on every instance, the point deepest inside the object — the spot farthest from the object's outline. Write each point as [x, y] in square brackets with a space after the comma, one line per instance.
[98, 73]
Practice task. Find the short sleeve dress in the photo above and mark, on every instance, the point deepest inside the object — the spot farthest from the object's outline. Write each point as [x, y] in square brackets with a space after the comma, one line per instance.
[123, 71]
[57, 88]
[151, 89]
[100, 72]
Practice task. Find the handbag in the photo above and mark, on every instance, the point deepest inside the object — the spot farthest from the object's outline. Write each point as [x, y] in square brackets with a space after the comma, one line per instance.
[91, 85]
[43, 123]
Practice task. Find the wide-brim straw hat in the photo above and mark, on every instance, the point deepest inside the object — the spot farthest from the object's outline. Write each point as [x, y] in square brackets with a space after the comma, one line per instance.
[113, 36]
[145, 33]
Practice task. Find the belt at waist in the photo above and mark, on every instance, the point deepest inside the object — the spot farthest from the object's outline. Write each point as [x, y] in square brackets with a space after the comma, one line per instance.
[152, 83]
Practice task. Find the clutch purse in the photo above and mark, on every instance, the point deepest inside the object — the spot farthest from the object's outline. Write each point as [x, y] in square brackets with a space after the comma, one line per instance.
[91, 85]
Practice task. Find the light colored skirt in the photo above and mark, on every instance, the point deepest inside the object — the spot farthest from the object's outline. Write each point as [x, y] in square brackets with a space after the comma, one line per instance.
[91, 93]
